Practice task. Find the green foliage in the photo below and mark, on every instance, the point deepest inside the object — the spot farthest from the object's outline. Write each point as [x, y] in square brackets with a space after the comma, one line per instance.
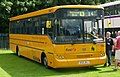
[87, 2]
[5, 8]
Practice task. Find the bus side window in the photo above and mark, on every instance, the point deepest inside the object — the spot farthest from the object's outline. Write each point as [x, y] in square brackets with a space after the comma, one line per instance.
[46, 24]
[17, 27]
[24, 27]
[60, 29]
[49, 28]
[29, 27]
[12, 27]
[37, 27]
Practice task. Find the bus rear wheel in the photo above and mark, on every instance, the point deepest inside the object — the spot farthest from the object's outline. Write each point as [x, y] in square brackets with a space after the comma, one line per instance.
[17, 51]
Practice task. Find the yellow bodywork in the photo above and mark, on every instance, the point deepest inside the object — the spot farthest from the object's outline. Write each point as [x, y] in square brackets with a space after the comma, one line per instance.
[58, 55]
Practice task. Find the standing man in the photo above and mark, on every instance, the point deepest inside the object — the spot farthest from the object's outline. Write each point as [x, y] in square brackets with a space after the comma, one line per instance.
[109, 48]
[117, 51]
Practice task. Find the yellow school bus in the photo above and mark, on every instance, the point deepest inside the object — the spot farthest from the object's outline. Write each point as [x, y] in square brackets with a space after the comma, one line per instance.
[60, 36]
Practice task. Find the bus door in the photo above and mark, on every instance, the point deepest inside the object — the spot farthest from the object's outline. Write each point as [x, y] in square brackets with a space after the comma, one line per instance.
[89, 32]
[92, 32]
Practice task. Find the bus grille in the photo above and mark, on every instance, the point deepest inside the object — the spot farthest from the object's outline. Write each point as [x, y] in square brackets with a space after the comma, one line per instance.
[88, 56]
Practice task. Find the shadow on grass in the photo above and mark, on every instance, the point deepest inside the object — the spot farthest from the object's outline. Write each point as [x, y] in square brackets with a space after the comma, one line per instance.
[22, 67]
[108, 71]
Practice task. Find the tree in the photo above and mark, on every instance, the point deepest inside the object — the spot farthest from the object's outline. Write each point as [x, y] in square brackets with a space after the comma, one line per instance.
[5, 8]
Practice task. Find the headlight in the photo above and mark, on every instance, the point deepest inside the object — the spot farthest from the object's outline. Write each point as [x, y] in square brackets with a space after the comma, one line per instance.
[102, 54]
[60, 57]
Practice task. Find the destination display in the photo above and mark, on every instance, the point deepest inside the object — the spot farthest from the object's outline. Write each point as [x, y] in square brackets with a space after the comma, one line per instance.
[82, 13]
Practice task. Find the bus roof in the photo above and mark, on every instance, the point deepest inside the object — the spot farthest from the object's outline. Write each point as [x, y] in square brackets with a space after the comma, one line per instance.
[110, 4]
[52, 10]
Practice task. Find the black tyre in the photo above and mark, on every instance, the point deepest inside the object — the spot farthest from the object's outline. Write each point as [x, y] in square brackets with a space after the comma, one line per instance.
[17, 51]
[45, 62]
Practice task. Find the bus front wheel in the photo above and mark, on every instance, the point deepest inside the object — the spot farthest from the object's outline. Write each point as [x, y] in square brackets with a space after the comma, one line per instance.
[45, 62]
[17, 51]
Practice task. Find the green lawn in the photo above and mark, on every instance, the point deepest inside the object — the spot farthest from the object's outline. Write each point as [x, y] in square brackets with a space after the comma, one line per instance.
[13, 66]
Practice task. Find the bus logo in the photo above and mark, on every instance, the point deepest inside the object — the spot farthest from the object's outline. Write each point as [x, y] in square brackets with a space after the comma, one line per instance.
[92, 48]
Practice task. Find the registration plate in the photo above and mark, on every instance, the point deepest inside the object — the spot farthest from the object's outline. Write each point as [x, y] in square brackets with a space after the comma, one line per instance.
[84, 62]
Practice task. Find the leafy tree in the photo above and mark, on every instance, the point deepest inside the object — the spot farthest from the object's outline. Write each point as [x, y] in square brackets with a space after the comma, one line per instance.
[5, 8]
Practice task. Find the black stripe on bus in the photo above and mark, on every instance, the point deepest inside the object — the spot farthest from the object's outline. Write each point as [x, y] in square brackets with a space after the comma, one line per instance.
[27, 40]
[27, 46]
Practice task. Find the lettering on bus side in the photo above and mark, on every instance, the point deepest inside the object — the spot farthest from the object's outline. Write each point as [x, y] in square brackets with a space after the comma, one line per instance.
[83, 49]
[70, 49]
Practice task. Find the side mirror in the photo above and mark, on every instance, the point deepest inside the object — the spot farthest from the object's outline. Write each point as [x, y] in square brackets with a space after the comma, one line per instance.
[97, 40]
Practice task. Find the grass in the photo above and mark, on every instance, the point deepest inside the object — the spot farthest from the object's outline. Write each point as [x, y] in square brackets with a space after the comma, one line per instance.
[14, 66]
